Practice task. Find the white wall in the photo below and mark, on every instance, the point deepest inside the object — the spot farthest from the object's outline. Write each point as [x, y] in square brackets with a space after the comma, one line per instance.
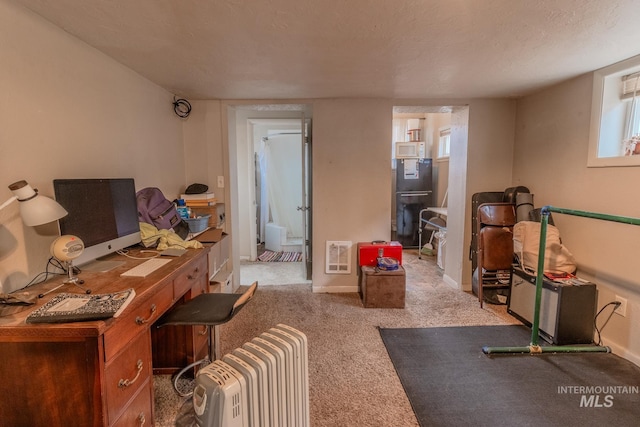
[68, 111]
[203, 150]
[87, 116]
[433, 123]
[552, 135]
[351, 180]
[489, 160]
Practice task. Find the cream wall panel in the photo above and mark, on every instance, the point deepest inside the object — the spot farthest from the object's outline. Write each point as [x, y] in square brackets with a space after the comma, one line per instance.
[68, 111]
[552, 137]
[351, 180]
[489, 161]
[203, 148]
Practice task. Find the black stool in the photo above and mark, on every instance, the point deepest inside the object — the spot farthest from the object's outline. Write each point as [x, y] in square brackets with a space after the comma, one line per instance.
[211, 310]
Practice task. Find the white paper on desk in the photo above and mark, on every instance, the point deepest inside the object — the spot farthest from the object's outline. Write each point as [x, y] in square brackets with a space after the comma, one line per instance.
[69, 304]
[411, 169]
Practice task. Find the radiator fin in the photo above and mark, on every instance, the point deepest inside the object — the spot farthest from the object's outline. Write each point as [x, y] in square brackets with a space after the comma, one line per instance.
[265, 382]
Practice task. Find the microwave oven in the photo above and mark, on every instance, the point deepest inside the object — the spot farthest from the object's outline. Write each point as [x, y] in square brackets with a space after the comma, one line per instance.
[412, 149]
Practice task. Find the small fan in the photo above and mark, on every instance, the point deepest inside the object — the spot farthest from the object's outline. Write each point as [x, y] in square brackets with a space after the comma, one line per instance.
[66, 248]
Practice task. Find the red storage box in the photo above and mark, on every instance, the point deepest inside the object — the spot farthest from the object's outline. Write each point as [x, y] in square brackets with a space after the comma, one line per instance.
[368, 252]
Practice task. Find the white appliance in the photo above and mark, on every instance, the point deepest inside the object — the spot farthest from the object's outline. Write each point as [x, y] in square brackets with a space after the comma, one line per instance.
[411, 149]
[263, 383]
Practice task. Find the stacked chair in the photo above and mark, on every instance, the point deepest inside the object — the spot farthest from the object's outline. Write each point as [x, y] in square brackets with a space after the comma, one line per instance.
[493, 216]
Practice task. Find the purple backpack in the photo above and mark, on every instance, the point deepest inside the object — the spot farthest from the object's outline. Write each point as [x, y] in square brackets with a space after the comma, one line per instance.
[155, 209]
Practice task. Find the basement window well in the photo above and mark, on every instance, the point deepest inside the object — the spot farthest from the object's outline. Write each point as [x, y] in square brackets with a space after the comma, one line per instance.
[614, 137]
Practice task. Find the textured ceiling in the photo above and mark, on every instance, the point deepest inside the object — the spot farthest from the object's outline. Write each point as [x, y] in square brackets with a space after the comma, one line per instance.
[288, 49]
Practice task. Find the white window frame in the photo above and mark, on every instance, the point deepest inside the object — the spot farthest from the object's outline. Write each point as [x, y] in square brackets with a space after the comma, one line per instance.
[444, 142]
[608, 115]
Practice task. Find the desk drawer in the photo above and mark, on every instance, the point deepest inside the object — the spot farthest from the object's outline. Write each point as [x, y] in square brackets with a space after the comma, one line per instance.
[127, 327]
[139, 412]
[186, 280]
[127, 374]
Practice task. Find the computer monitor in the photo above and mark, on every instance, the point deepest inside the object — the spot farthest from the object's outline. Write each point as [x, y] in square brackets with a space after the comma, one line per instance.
[103, 213]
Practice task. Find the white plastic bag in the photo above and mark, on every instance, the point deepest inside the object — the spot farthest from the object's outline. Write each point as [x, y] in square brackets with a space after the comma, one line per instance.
[526, 244]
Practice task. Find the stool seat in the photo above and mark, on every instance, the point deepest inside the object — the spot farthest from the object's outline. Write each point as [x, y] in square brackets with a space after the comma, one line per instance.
[205, 309]
[211, 310]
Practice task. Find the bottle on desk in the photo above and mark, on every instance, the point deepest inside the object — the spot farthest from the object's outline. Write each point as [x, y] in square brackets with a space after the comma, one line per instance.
[183, 209]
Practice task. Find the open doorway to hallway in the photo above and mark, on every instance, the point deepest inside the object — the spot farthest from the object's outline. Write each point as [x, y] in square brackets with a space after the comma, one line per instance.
[270, 163]
[419, 173]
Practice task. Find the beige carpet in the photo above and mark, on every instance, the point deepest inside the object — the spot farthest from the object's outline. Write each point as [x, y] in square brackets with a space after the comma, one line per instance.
[352, 380]
[272, 273]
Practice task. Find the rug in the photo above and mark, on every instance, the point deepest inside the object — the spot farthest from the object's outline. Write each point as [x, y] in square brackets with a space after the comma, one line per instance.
[451, 382]
[271, 256]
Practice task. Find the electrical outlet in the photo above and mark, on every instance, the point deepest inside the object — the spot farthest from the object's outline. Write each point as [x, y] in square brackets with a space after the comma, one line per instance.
[220, 181]
[622, 308]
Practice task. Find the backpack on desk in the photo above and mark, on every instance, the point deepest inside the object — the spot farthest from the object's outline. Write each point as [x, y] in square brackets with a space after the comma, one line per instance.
[155, 209]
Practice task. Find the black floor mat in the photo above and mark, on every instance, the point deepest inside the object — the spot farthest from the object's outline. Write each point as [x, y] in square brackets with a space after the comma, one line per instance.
[451, 382]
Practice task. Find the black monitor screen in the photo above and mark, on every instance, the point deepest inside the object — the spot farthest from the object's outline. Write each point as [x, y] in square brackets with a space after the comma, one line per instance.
[101, 211]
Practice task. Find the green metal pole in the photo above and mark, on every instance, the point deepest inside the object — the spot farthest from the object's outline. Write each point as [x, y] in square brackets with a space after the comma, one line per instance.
[539, 278]
[533, 347]
[605, 217]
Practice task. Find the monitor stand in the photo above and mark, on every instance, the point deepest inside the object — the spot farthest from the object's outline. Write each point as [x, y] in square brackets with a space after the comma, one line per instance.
[101, 266]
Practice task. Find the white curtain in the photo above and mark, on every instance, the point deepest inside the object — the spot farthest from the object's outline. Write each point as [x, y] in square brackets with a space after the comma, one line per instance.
[284, 182]
[264, 182]
[632, 129]
[399, 134]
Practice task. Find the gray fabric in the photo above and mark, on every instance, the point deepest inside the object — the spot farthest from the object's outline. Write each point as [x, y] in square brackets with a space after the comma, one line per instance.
[524, 205]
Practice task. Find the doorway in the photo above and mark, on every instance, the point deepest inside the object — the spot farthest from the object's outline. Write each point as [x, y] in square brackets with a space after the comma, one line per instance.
[411, 193]
[271, 156]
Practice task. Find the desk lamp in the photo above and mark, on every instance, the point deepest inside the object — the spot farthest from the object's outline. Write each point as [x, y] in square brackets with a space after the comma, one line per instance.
[34, 209]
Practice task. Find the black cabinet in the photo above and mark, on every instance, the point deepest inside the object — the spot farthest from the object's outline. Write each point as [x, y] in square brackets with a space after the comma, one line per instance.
[566, 311]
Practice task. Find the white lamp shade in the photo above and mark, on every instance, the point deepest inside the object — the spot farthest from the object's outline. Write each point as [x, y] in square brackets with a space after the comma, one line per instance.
[36, 209]
[41, 210]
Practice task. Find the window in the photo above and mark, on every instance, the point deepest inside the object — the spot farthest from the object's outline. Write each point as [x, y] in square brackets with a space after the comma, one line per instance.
[444, 143]
[615, 115]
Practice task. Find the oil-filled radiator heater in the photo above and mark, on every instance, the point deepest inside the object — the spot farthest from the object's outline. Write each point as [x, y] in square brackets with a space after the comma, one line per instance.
[263, 383]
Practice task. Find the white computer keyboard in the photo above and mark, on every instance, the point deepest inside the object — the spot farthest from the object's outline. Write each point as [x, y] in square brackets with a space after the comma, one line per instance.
[146, 268]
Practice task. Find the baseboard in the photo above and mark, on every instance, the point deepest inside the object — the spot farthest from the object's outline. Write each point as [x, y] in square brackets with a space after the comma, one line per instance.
[624, 353]
[334, 289]
[449, 281]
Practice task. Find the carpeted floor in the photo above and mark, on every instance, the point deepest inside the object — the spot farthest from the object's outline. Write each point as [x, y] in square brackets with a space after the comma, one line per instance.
[450, 382]
[272, 273]
[352, 379]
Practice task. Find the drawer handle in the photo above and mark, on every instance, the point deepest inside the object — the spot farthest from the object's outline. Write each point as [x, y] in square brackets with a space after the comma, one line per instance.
[204, 331]
[126, 383]
[141, 321]
[195, 275]
[141, 419]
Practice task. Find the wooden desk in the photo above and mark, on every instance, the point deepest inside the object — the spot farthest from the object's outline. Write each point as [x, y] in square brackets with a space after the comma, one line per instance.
[99, 373]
